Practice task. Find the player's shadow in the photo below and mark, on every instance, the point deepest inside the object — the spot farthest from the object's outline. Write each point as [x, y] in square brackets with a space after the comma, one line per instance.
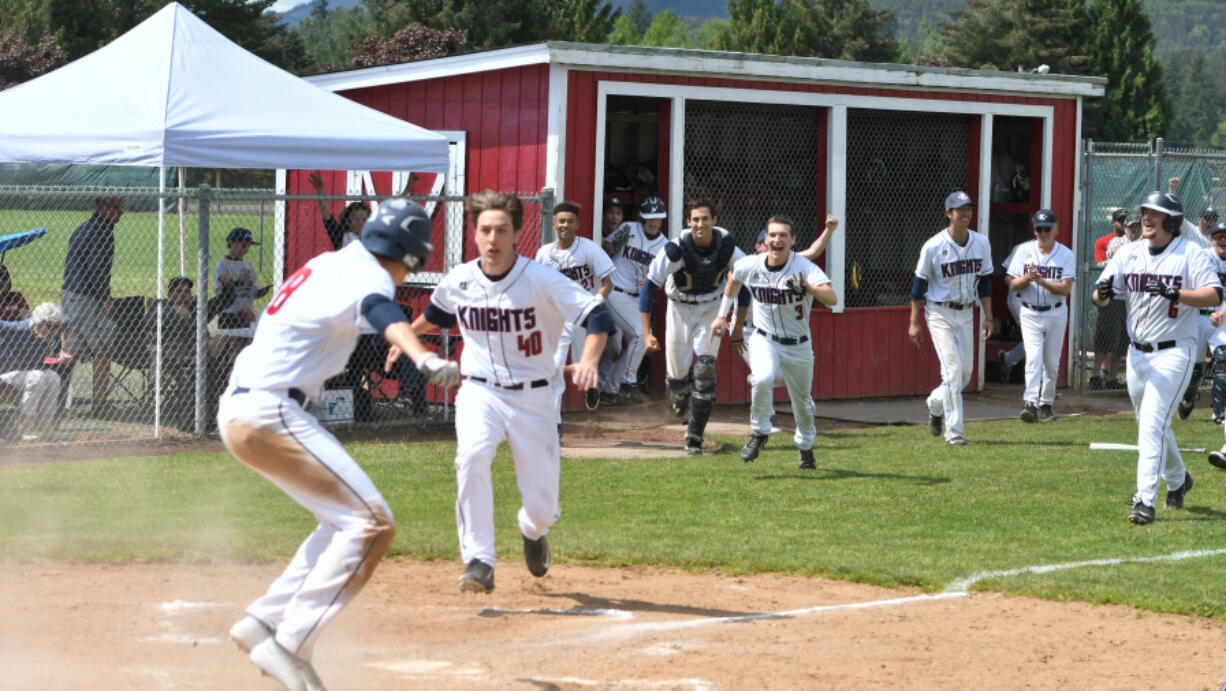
[591, 605]
[834, 474]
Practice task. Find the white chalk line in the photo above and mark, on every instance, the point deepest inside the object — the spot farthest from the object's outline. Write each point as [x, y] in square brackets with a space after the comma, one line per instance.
[963, 584]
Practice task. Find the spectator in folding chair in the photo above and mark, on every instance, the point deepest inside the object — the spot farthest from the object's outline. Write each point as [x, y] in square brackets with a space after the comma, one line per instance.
[179, 350]
[87, 293]
[365, 369]
[27, 349]
[13, 305]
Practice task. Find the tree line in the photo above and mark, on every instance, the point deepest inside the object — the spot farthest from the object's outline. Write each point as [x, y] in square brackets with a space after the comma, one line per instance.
[1146, 97]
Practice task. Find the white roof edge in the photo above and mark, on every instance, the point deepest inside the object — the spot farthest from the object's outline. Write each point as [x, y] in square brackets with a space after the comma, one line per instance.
[708, 62]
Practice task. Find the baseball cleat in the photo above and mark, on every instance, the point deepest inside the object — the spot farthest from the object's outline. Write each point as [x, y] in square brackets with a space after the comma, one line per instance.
[478, 577]
[753, 447]
[1045, 414]
[1217, 459]
[806, 460]
[693, 446]
[1185, 409]
[1029, 413]
[536, 555]
[293, 672]
[936, 425]
[609, 398]
[1174, 497]
[249, 632]
[956, 441]
[1141, 514]
[591, 399]
[630, 394]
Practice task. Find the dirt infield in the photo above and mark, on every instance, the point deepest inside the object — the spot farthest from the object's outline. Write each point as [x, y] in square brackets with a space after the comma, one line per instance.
[159, 626]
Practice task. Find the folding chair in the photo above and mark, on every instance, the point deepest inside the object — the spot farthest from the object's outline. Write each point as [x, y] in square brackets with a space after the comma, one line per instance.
[131, 376]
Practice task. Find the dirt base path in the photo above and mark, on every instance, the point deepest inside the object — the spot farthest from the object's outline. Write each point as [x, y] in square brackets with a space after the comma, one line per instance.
[161, 626]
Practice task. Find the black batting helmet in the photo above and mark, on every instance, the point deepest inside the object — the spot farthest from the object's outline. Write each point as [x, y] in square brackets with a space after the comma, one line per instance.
[1119, 216]
[1219, 229]
[1209, 214]
[1169, 204]
[399, 230]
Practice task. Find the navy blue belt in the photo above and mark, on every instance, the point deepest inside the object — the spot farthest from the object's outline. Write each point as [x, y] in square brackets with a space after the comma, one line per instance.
[1151, 347]
[1207, 312]
[957, 305]
[788, 340]
[1044, 308]
[633, 295]
[512, 387]
[299, 397]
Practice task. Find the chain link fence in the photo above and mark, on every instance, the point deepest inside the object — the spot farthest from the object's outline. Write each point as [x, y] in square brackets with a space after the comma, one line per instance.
[1118, 176]
[753, 161]
[151, 334]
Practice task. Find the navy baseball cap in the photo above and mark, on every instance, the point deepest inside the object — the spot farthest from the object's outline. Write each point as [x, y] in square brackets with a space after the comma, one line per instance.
[241, 235]
[1120, 215]
[957, 200]
[614, 201]
[761, 237]
[1209, 214]
[1044, 218]
[1219, 229]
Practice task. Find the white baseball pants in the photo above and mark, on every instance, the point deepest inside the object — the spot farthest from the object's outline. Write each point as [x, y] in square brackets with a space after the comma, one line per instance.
[1043, 336]
[273, 435]
[953, 338]
[40, 388]
[1156, 381]
[769, 360]
[626, 316]
[485, 417]
[688, 327]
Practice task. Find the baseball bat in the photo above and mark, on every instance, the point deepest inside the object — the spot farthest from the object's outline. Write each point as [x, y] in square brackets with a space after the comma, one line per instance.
[1105, 446]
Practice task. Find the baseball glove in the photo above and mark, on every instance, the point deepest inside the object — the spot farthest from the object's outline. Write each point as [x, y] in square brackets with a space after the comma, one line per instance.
[1156, 287]
[619, 237]
[796, 284]
[1105, 289]
[440, 372]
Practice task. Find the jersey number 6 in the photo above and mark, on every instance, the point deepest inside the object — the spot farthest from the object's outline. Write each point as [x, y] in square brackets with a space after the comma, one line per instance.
[291, 284]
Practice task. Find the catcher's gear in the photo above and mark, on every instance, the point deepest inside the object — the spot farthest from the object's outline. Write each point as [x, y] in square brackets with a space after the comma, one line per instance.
[1169, 204]
[619, 237]
[1157, 287]
[399, 230]
[440, 372]
[796, 284]
[1105, 289]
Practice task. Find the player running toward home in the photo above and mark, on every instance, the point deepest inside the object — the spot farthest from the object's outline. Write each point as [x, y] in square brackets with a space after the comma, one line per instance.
[633, 246]
[1217, 342]
[949, 277]
[511, 311]
[782, 284]
[585, 263]
[305, 337]
[692, 271]
[1164, 279]
[1206, 329]
[1042, 271]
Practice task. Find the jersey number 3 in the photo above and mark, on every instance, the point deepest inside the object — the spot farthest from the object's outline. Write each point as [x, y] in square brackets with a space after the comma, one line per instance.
[291, 284]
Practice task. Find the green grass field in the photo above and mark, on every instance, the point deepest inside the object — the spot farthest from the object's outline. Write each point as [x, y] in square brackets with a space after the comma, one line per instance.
[888, 505]
[38, 268]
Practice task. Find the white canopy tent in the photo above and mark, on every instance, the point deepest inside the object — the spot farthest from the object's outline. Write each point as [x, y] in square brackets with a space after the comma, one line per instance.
[173, 92]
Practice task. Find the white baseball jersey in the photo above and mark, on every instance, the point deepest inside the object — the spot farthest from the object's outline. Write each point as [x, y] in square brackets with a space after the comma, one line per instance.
[631, 262]
[511, 326]
[584, 262]
[1192, 232]
[777, 311]
[1055, 266]
[1153, 318]
[309, 329]
[954, 270]
[662, 268]
[242, 277]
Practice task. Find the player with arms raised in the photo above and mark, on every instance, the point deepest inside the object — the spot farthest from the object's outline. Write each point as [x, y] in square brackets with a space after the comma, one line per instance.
[305, 337]
[511, 311]
[1164, 280]
[782, 284]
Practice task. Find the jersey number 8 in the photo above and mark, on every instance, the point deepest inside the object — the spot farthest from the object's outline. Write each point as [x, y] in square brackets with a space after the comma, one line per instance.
[291, 284]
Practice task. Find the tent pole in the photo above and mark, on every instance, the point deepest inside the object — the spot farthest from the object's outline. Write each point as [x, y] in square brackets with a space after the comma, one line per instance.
[202, 305]
[157, 351]
[182, 222]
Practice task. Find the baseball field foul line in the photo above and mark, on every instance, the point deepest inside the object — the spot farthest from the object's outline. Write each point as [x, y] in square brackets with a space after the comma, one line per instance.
[963, 584]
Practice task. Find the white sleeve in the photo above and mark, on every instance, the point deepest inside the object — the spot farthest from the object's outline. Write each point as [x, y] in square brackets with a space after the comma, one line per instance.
[1201, 271]
[737, 255]
[542, 253]
[601, 263]
[661, 267]
[442, 297]
[921, 266]
[741, 269]
[1070, 265]
[816, 276]
[987, 257]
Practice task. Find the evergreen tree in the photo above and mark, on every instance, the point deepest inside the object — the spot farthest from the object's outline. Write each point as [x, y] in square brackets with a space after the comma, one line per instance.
[1017, 34]
[329, 40]
[705, 34]
[668, 31]
[1198, 112]
[785, 27]
[585, 21]
[624, 33]
[640, 16]
[1136, 106]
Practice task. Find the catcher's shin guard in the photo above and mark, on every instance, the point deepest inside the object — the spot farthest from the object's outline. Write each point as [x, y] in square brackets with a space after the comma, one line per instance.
[678, 395]
[703, 398]
[1193, 390]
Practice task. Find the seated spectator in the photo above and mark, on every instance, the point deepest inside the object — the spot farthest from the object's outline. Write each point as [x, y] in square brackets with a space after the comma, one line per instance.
[353, 218]
[179, 350]
[235, 324]
[27, 349]
[13, 305]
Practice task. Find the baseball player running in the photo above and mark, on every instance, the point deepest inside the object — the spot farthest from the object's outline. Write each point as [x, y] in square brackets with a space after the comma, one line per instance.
[511, 312]
[692, 271]
[305, 337]
[1164, 280]
[781, 284]
[948, 275]
[1205, 328]
[1042, 271]
[1217, 342]
[632, 246]
[585, 263]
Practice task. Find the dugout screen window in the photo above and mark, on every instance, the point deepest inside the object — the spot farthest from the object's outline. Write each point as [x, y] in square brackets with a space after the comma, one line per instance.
[633, 167]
